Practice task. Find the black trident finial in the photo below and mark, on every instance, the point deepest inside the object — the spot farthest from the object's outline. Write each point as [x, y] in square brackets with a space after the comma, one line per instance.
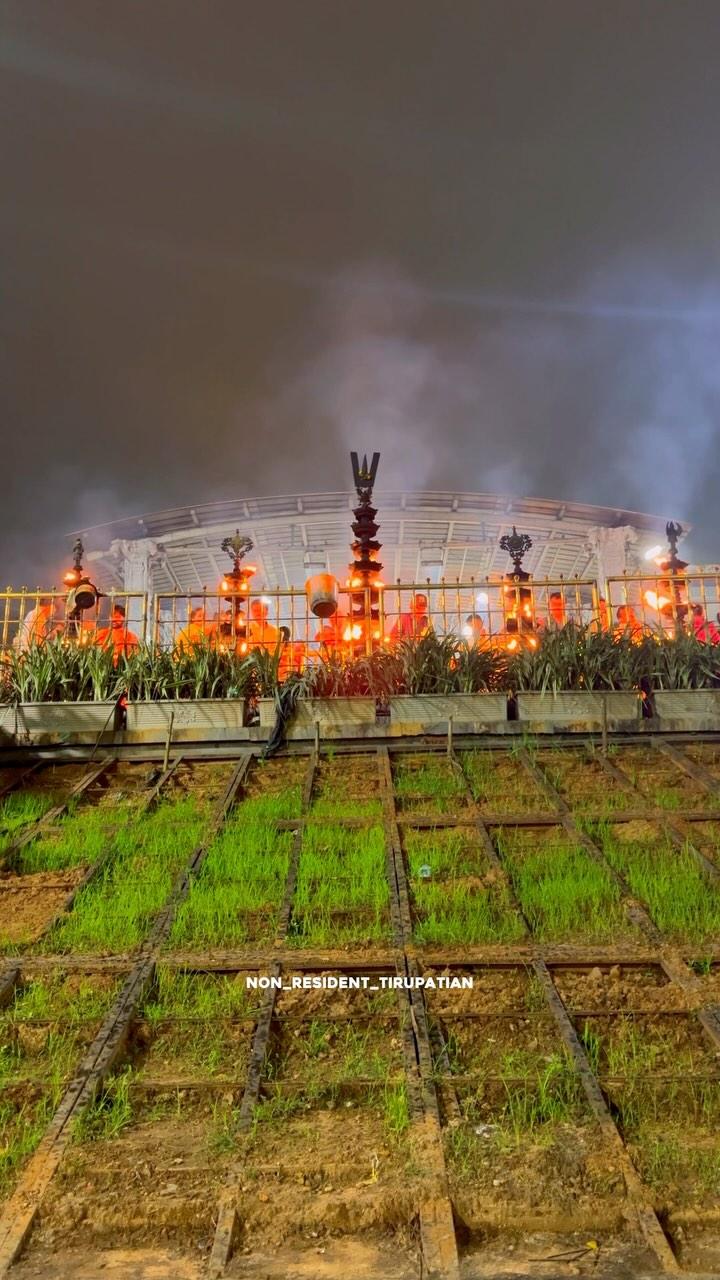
[364, 476]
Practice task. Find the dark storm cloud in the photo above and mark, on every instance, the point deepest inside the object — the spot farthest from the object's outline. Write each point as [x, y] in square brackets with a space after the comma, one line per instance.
[482, 239]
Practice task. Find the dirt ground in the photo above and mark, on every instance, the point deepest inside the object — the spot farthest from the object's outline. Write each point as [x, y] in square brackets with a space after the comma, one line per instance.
[269, 777]
[329, 1171]
[359, 1257]
[573, 1254]
[621, 987]
[159, 1179]
[117, 1264]
[563, 1180]
[29, 903]
[583, 783]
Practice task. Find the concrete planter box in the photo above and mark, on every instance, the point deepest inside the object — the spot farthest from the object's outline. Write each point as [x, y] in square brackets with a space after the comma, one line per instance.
[338, 717]
[690, 709]
[7, 722]
[431, 713]
[581, 712]
[46, 722]
[192, 718]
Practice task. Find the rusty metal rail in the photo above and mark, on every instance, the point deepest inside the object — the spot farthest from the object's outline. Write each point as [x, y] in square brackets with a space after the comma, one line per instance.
[106, 1049]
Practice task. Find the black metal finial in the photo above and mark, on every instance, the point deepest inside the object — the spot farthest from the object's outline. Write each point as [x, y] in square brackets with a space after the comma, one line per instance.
[673, 562]
[516, 544]
[237, 547]
[364, 476]
[78, 552]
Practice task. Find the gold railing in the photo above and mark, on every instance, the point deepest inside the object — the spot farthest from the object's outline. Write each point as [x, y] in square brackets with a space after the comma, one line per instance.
[663, 602]
[28, 617]
[475, 609]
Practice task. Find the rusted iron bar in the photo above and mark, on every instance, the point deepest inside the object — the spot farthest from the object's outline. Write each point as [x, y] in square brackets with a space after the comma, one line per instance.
[706, 779]
[639, 1197]
[423, 822]
[226, 1229]
[437, 1228]
[102, 1055]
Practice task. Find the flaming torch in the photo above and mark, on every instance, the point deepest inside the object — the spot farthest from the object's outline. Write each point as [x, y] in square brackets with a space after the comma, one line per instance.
[363, 632]
[233, 628]
[670, 599]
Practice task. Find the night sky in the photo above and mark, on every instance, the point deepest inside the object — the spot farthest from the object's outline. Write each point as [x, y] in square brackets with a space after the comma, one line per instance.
[240, 239]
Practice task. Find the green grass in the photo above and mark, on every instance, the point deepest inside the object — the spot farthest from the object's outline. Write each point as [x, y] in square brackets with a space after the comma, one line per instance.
[327, 807]
[448, 915]
[238, 892]
[21, 1128]
[563, 893]
[115, 911]
[188, 995]
[498, 781]
[273, 806]
[80, 839]
[681, 900]
[199, 1024]
[396, 1112]
[341, 893]
[435, 781]
[110, 1112]
[20, 808]
[530, 1109]
[42, 1037]
[58, 998]
[670, 1158]
[337, 1052]
[457, 904]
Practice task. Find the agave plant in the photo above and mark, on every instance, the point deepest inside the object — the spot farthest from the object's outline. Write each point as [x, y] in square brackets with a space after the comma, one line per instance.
[682, 662]
[577, 658]
[60, 672]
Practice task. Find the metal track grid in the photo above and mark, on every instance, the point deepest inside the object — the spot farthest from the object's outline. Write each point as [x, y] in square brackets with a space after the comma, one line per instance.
[431, 1088]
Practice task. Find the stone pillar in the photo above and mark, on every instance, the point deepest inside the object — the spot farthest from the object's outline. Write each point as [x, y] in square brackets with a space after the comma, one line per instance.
[137, 559]
[614, 555]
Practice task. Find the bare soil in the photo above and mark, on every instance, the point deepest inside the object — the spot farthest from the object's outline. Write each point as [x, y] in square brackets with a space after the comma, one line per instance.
[584, 784]
[329, 1171]
[516, 1255]
[206, 782]
[493, 991]
[673, 1042]
[564, 1176]
[157, 1180]
[368, 1256]
[620, 987]
[349, 778]
[661, 780]
[29, 903]
[509, 788]
[270, 777]
[706, 754]
[490, 1045]
[177, 1050]
[118, 1264]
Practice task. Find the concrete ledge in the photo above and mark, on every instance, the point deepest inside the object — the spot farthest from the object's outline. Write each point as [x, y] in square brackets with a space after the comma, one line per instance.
[579, 712]
[687, 710]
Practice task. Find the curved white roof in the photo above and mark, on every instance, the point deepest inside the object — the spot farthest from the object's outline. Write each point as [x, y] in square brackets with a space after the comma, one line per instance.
[424, 535]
